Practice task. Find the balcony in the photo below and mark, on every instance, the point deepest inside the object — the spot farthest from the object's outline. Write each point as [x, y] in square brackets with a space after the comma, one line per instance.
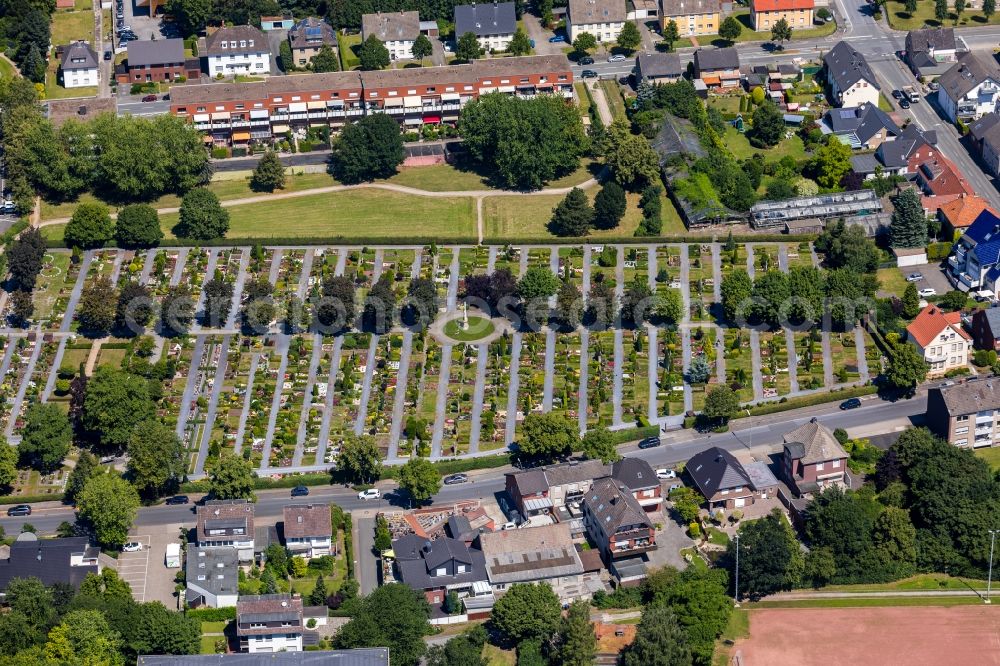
[968, 280]
[957, 263]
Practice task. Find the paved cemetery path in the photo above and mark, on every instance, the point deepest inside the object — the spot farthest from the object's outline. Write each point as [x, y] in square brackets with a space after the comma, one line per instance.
[74, 296]
[241, 278]
[616, 398]
[515, 360]
[452, 303]
[147, 266]
[281, 344]
[751, 264]
[366, 386]
[191, 387]
[581, 415]
[550, 341]
[758, 376]
[213, 261]
[300, 436]
[213, 403]
[50, 383]
[652, 332]
[859, 344]
[686, 354]
[338, 342]
[402, 377]
[827, 361]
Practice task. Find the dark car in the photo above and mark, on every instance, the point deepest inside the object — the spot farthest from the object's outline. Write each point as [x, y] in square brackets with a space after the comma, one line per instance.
[649, 443]
[107, 55]
[588, 74]
[904, 103]
[19, 510]
[586, 60]
[300, 491]
[177, 499]
[852, 403]
[897, 94]
[149, 98]
[455, 479]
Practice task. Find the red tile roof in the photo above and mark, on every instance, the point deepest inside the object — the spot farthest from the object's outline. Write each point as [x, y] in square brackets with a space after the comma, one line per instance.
[962, 211]
[307, 520]
[942, 177]
[931, 321]
[781, 5]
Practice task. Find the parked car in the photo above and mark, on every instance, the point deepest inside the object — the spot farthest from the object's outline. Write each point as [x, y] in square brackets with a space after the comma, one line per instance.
[300, 491]
[371, 493]
[107, 54]
[927, 291]
[586, 60]
[649, 443]
[19, 510]
[897, 94]
[9, 206]
[934, 86]
[132, 547]
[618, 57]
[850, 403]
[177, 499]
[454, 479]
[509, 525]
[665, 473]
[588, 74]
[149, 98]
[914, 277]
[557, 39]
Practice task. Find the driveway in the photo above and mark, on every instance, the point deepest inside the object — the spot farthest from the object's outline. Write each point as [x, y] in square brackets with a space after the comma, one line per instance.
[365, 562]
[669, 542]
[274, 40]
[533, 25]
[934, 277]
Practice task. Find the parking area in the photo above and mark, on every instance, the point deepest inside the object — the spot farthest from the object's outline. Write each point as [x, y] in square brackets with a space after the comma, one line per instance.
[133, 567]
[146, 570]
[933, 277]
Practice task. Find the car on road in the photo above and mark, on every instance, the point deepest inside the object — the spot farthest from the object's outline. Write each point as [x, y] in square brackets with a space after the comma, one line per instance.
[618, 57]
[19, 510]
[555, 39]
[300, 491]
[897, 94]
[927, 291]
[914, 277]
[586, 60]
[149, 98]
[850, 403]
[588, 74]
[371, 493]
[649, 443]
[107, 54]
[132, 547]
[664, 473]
[904, 103]
[455, 479]
[177, 499]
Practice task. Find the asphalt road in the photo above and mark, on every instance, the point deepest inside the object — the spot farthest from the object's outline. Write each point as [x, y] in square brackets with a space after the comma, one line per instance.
[759, 434]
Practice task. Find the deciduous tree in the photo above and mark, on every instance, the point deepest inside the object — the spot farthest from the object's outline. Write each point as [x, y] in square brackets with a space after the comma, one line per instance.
[526, 612]
[232, 477]
[599, 444]
[736, 289]
[90, 226]
[629, 38]
[393, 616]
[831, 162]
[584, 43]
[138, 226]
[368, 149]
[671, 34]
[630, 157]
[46, 437]
[326, 60]
[906, 367]
[360, 459]
[134, 309]
[8, 463]
[201, 216]
[467, 47]
[419, 478]
[659, 640]
[110, 504]
[576, 642]
[191, 15]
[422, 47]
[721, 404]
[156, 459]
[25, 258]
[781, 32]
[548, 435]
[177, 310]
[373, 55]
[569, 305]
[770, 559]
[520, 44]
[98, 307]
[115, 402]
[269, 174]
[730, 29]
[767, 126]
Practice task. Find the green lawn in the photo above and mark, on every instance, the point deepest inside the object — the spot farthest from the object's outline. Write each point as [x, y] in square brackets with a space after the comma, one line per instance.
[447, 178]
[73, 24]
[213, 627]
[740, 147]
[900, 19]
[208, 644]
[991, 456]
[495, 656]
[738, 627]
[891, 281]
[931, 581]
[6, 69]
[479, 328]
[582, 98]
[748, 34]
[346, 45]
[613, 94]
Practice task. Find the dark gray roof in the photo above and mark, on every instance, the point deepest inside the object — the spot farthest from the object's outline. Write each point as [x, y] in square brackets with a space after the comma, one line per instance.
[971, 396]
[992, 316]
[710, 60]
[864, 164]
[813, 442]
[971, 70]
[252, 39]
[846, 66]
[356, 657]
[863, 121]
[311, 32]
[485, 18]
[895, 154]
[47, 560]
[459, 528]
[634, 474]
[78, 55]
[574, 472]
[531, 481]
[530, 553]
[219, 568]
[688, 7]
[983, 127]
[659, 65]
[613, 506]
[716, 469]
[155, 52]
[923, 41]
[417, 558]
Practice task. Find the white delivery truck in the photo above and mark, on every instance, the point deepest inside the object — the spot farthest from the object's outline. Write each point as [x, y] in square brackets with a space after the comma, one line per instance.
[173, 557]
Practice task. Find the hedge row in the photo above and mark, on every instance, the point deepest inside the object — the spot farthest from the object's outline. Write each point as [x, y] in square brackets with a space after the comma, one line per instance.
[632, 434]
[212, 614]
[31, 499]
[812, 400]
[265, 483]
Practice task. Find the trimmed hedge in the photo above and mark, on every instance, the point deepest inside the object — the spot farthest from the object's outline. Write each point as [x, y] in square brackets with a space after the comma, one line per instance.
[812, 400]
[212, 614]
[290, 481]
[632, 434]
[31, 499]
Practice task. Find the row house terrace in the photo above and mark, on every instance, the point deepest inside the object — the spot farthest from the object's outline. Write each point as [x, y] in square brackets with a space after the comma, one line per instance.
[238, 113]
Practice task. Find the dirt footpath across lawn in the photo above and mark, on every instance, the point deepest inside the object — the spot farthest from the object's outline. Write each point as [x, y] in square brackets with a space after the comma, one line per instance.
[910, 636]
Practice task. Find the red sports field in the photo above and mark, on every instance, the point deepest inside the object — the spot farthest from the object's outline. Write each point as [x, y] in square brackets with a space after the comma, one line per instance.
[908, 636]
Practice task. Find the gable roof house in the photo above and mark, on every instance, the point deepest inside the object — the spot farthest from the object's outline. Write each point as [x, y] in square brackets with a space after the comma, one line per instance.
[658, 67]
[693, 17]
[307, 529]
[986, 328]
[895, 157]
[397, 30]
[931, 51]
[63, 560]
[492, 23]
[725, 482]
[940, 339]
[79, 65]
[616, 522]
[863, 127]
[240, 49]
[443, 565]
[537, 491]
[970, 88]
[307, 37]
[158, 60]
[959, 213]
[604, 19]
[212, 577]
[985, 134]
[850, 78]
[941, 182]
[638, 477]
[269, 623]
[227, 524]
[813, 459]
[765, 13]
[718, 68]
[976, 255]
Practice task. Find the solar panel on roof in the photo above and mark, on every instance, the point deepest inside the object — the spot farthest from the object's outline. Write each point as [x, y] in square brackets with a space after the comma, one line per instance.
[846, 113]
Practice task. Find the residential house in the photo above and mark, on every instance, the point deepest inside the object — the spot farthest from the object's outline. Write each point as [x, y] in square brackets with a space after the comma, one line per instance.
[958, 214]
[269, 623]
[355, 657]
[64, 560]
[813, 459]
[227, 524]
[537, 491]
[241, 49]
[764, 14]
[911, 148]
[725, 482]
[658, 67]
[284, 22]
[931, 51]
[976, 255]
[986, 329]
[212, 577]
[397, 30]
[492, 23]
[863, 127]
[851, 80]
[435, 568]
[693, 17]
[616, 522]
[940, 339]
[603, 19]
[966, 414]
[717, 68]
[985, 134]
[79, 65]
[158, 60]
[307, 528]
[970, 88]
[638, 477]
[542, 554]
[941, 183]
[307, 37]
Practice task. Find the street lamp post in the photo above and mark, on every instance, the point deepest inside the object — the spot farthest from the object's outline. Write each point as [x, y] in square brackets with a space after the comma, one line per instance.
[989, 576]
[737, 590]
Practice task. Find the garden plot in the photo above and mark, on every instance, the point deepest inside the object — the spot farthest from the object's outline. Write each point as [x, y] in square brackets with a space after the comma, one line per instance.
[293, 390]
[289, 274]
[739, 364]
[349, 385]
[382, 396]
[427, 408]
[531, 374]
[635, 376]
[317, 405]
[765, 258]
[571, 265]
[809, 350]
[442, 274]
[494, 418]
[53, 287]
[164, 265]
[473, 260]
[604, 258]
[427, 263]
[509, 257]
[198, 413]
[35, 381]
[600, 378]
[17, 372]
[670, 373]
[774, 364]
[458, 407]
[261, 398]
[844, 351]
[229, 409]
[194, 269]
[566, 378]
[872, 354]
[360, 265]
[703, 344]
[734, 258]
[636, 265]
[701, 282]
[799, 254]
[399, 262]
[417, 433]
[668, 265]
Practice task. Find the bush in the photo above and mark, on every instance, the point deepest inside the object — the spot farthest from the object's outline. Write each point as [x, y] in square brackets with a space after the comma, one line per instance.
[694, 531]
[212, 614]
[220, 153]
[984, 357]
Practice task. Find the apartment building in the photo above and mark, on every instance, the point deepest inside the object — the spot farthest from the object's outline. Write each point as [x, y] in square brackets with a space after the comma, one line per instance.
[241, 49]
[971, 88]
[616, 522]
[693, 17]
[212, 577]
[940, 339]
[966, 414]
[813, 460]
[79, 65]
[237, 113]
[269, 623]
[849, 77]
[397, 30]
[603, 19]
[765, 13]
[493, 24]
[227, 524]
